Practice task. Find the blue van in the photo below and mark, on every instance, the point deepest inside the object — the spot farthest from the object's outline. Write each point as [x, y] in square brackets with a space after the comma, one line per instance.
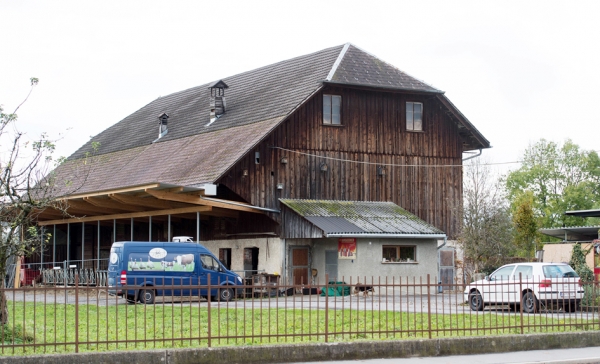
[147, 266]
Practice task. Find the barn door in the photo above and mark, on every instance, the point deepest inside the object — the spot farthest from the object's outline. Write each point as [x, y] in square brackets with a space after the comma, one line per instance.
[446, 260]
[300, 265]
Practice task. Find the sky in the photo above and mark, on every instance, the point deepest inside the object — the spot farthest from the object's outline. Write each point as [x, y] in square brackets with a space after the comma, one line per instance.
[518, 70]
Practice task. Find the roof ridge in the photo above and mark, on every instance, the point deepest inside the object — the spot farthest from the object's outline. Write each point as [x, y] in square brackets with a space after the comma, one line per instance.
[337, 61]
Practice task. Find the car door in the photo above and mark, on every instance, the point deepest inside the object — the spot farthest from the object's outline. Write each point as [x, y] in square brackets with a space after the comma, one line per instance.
[520, 279]
[498, 285]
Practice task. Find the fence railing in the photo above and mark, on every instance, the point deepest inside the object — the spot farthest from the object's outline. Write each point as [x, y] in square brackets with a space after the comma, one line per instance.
[90, 272]
[53, 319]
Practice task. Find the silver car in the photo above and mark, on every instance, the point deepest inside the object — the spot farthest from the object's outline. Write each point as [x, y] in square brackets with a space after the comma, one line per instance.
[529, 285]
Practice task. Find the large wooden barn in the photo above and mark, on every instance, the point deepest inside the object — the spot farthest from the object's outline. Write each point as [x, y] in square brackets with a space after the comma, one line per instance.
[333, 163]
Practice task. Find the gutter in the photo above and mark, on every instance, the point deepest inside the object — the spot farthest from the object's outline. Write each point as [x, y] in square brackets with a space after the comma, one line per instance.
[474, 156]
[443, 245]
[414, 236]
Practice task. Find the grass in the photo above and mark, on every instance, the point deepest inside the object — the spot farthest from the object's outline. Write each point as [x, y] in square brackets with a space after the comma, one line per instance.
[55, 328]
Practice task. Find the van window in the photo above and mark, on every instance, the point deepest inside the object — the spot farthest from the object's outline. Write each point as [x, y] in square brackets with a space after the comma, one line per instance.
[209, 263]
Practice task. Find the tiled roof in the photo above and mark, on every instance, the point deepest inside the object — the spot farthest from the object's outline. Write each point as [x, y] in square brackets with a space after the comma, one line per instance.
[358, 67]
[193, 152]
[360, 218]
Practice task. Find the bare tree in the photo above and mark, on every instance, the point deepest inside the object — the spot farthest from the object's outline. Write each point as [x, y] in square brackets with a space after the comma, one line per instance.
[486, 231]
[24, 192]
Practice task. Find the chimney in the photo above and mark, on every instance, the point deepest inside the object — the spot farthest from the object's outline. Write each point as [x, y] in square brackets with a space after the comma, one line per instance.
[217, 100]
[163, 120]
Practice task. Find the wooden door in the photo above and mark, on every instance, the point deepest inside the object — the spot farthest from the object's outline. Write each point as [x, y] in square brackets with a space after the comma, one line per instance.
[300, 265]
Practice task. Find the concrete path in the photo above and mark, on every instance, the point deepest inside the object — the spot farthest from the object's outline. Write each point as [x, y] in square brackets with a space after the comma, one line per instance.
[556, 356]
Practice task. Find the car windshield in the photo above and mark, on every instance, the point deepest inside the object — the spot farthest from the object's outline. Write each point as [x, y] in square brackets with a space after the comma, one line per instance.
[559, 271]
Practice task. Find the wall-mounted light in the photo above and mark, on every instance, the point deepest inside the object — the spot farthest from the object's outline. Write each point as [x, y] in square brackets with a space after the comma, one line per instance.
[380, 171]
[284, 160]
[244, 172]
[323, 167]
[280, 186]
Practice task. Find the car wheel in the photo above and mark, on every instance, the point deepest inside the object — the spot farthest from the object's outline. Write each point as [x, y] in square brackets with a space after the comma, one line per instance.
[225, 294]
[147, 296]
[475, 301]
[530, 303]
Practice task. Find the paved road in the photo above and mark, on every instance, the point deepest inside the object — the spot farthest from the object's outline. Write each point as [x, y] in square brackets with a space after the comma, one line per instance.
[557, 356]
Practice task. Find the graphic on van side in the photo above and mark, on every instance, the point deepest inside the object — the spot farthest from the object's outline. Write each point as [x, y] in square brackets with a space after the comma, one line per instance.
[159, 259]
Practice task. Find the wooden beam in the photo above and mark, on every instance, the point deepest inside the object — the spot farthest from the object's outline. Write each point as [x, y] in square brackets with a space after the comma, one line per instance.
[106, 192]
[82, 207]
[144, 201]
[198, 201]
[107, 203]
[129, 215]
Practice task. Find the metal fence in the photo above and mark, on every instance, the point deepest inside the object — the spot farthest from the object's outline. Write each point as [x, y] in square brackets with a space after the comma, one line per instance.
[90, 272]
[51, 319]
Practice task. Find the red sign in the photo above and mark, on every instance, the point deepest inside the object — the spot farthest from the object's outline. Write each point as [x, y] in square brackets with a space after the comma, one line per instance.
[347, 248]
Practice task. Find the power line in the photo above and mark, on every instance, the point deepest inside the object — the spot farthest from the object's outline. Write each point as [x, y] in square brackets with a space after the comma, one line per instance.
[388, 164]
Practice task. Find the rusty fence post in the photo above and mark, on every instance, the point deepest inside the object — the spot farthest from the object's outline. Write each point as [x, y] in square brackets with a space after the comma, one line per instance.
[429, 304]
[521, 298]
[208, 316]
[326, 307]
[76, 311]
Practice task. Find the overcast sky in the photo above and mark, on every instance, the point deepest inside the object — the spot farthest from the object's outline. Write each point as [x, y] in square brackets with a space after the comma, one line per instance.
[519, 70]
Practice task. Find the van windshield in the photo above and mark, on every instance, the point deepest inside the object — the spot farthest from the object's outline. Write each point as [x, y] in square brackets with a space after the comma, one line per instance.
[559, 271]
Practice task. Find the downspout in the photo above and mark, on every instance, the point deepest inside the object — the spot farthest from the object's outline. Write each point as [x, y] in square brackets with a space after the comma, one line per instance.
[474, 156]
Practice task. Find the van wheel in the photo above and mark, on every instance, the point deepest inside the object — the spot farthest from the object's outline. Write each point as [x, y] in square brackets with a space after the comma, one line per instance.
[225, 295]
[147, 296]
[475, 301]
[530, 303]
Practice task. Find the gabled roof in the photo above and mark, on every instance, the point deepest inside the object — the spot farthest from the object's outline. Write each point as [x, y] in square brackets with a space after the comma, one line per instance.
[194, 152]
[359, 218]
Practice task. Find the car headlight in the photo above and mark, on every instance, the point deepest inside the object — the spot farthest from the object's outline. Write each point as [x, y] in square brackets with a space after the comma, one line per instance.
[239, 279]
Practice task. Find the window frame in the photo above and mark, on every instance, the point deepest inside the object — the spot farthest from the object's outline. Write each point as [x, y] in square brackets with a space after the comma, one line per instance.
[412, 113]
[331, 110]
[398, 248]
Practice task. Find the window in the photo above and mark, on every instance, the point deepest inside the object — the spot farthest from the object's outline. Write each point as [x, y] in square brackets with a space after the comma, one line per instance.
[332, 105]
[414, 116]
[399, 254]
[502, 274]
[525, 271]
[209, 263]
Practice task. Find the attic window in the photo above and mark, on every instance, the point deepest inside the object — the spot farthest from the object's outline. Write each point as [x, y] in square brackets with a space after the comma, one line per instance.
[332, 105]
[414, 116]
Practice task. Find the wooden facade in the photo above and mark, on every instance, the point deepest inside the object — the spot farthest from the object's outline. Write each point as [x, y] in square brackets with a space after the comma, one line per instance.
[421, 170]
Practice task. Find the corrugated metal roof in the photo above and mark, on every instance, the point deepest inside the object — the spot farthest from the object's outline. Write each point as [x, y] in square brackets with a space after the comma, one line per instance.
[360, 217]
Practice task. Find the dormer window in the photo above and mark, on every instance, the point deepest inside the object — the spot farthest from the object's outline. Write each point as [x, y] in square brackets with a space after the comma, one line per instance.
[163, 120]
[332, 105]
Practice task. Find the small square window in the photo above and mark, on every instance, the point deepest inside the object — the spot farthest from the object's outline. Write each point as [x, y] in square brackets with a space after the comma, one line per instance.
[399, 254]
[332, 105]
[414, 116]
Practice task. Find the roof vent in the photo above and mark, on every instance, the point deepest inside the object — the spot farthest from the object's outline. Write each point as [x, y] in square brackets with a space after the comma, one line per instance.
[217, 100]
[163, 120]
